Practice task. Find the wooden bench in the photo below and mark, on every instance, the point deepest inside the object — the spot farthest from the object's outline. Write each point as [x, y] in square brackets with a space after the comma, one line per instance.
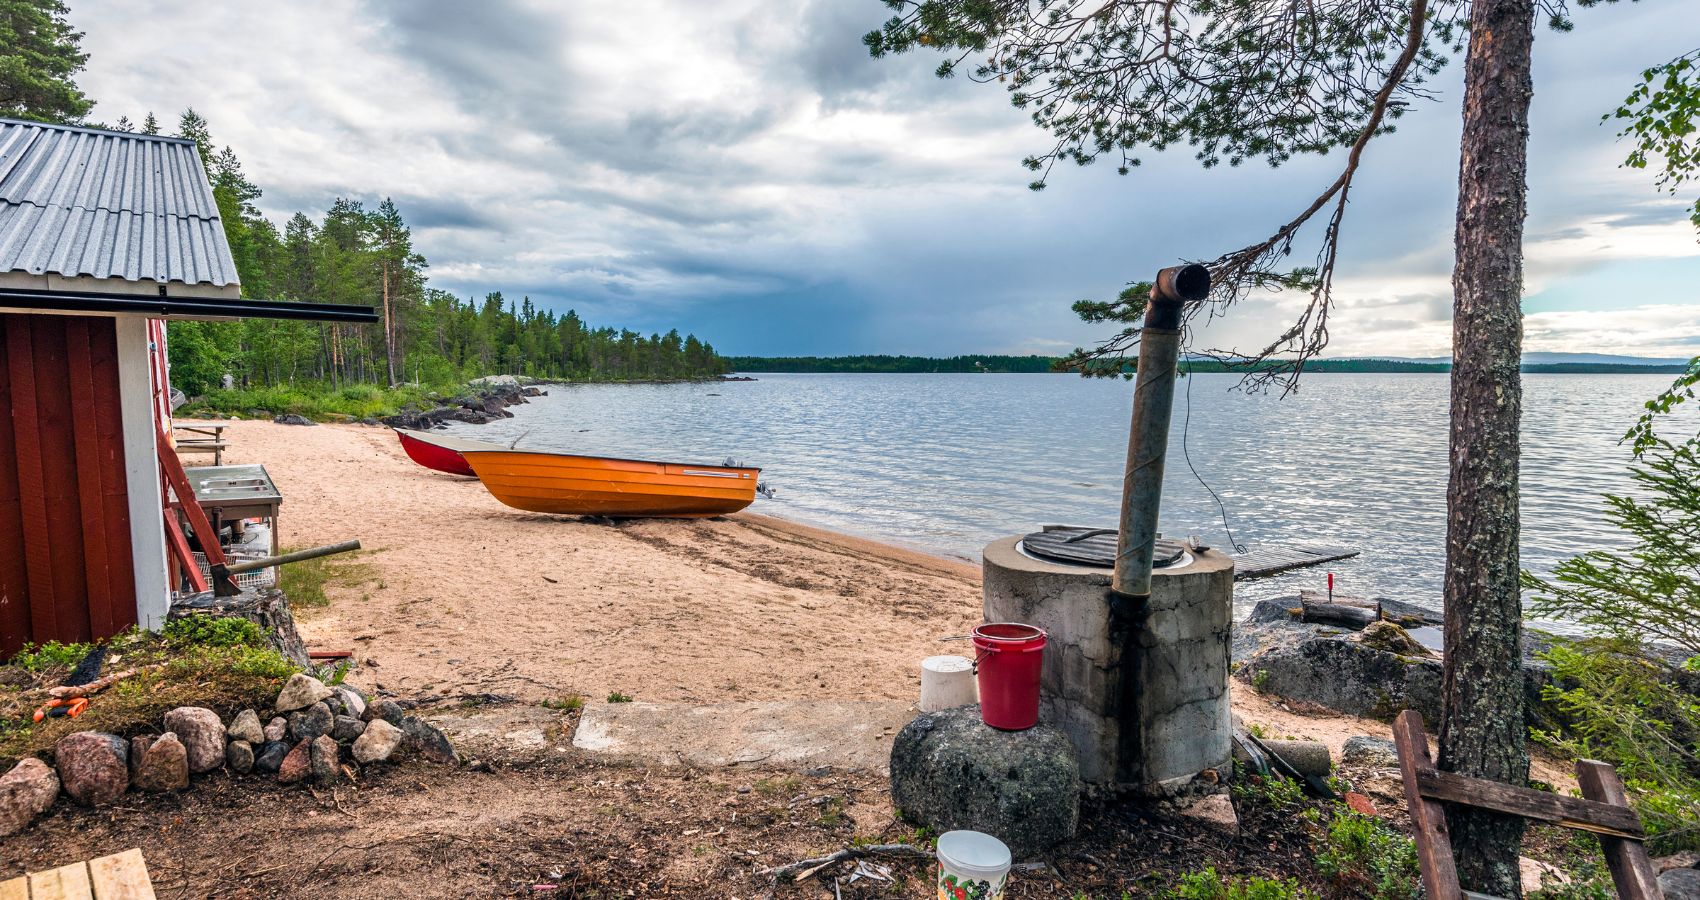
[121, 876]
[1603, 809]
[202, 439]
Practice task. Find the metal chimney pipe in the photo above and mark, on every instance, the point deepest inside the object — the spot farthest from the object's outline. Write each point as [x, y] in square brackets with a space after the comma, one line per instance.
[1148, 438]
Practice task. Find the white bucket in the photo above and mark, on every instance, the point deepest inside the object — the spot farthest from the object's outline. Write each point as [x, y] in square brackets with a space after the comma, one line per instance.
[947, 682]
[972, 866]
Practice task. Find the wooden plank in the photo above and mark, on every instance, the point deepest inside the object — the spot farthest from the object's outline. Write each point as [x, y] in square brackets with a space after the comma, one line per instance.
[15, 888]
[185, 557]
[65, 521]
[121, 876]
[14, 574]
[198, 521]
[64, 883]
[32, 501]
[1428, 817]
[115, 485]
[86, 447]
[1568, 812]
[1263, 562]
[1630, 868]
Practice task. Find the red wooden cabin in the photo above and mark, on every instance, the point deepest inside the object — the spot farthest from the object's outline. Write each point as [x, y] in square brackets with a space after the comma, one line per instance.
[104, 236]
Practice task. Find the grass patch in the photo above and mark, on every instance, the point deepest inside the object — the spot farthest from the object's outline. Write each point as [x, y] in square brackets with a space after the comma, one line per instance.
[569, 703]
[1369, 858]
[1206, 884]
[320, 402]
[305, 582]
[618, 697]
[219, 663]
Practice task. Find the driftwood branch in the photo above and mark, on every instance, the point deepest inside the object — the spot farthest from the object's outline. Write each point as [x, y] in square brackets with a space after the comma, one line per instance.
[806, 868]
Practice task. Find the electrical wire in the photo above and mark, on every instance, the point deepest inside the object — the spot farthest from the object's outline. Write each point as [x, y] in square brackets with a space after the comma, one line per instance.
[1186, 427]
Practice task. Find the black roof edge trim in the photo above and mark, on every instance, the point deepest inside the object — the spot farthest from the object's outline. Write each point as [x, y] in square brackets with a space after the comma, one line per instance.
[210, 307]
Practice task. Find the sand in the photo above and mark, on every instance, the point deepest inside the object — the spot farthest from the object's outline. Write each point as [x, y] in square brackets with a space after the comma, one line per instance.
[462, 595]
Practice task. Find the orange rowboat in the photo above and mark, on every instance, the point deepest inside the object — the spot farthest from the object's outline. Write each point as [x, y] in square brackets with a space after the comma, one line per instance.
[565, 485]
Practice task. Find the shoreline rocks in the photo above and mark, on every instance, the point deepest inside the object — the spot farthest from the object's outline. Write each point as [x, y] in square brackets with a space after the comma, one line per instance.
[1374, 673]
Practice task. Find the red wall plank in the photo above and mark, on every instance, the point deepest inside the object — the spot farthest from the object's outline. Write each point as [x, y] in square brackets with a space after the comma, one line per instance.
[86, 453]
[14, 575]
[66, 518]
[65, 558]
[115, 499]
[32, 501]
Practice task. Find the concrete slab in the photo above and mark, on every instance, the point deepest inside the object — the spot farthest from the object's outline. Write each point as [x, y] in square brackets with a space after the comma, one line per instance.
[801, 734]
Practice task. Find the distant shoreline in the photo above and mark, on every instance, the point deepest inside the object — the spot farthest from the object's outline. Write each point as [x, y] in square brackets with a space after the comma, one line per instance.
[1324, 367]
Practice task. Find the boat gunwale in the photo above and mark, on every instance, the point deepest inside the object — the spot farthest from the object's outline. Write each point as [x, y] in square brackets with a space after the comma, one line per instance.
[649, 462]
[435, 440]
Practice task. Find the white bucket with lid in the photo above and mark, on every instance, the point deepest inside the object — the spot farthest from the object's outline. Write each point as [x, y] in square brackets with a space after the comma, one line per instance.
[972, 866]
[947, 682]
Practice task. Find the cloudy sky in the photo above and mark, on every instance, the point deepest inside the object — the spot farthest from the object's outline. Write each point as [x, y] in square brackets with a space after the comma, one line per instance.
[742, 169]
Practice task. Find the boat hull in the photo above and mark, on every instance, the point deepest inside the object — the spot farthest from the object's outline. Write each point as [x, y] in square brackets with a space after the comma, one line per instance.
[436, 454]
[565, 485]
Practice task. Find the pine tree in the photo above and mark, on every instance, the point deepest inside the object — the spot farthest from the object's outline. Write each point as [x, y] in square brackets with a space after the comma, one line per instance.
[1260, 79]
[40, 55]
[150, 125]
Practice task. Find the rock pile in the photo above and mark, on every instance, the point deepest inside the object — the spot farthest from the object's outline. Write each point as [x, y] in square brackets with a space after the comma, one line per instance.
[320, 734]
[485, 404]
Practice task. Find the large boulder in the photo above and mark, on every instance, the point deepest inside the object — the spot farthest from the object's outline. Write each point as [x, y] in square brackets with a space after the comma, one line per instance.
[352, 702]
[164, 765]
[322, 759]
[239, 757]
[297, 764]
[950, 771]
[201, 733]
[300, 692]
[311, 722]
[94, 766]
[246, 727]
[26, 792]
[1374, 752]
[377, 742]
[427, 741]
[1681, 884]
[271, 756]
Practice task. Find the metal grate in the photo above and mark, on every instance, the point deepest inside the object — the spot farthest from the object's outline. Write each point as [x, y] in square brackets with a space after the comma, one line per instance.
[1091, 547]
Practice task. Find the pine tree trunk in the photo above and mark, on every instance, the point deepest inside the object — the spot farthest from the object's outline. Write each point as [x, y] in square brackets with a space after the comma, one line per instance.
[389, 333]
[1482, 729]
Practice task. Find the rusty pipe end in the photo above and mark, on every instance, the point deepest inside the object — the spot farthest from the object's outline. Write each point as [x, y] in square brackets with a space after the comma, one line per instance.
[1184, 284]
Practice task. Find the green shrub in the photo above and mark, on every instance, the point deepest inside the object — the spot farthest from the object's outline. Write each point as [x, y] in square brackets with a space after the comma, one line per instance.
[618, 697]
[1273, 791]
[1615, 697]
[1364, 853]
[36, 657]
[213, 631]
[1208, 885]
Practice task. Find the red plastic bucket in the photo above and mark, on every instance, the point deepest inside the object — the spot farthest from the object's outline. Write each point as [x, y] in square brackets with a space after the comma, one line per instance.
[1008, 659]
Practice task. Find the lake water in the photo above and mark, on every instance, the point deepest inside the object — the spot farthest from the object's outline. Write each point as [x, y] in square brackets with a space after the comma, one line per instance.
[949, 462]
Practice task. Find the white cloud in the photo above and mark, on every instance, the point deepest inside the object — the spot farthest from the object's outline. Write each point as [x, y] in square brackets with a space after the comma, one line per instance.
[744, 169]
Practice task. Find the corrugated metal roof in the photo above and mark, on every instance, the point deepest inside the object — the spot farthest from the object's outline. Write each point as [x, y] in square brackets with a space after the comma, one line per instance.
[108, 204]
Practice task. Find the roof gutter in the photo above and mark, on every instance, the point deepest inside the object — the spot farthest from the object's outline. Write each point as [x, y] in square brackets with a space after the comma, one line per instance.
[195, 307]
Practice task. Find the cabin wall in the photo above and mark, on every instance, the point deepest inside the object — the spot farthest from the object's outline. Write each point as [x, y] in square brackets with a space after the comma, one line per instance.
[66, 568]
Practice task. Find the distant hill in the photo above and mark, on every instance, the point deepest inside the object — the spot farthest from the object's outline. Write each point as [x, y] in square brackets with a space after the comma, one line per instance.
[884, 363]
[1547, 363]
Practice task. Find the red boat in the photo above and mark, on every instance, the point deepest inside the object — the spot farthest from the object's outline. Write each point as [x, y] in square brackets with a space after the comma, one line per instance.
[440, 452]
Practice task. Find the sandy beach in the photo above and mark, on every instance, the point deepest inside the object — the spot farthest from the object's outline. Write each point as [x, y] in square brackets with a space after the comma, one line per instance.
[463, 595]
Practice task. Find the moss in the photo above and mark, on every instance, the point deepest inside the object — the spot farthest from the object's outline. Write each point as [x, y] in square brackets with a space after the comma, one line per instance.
[198, 661]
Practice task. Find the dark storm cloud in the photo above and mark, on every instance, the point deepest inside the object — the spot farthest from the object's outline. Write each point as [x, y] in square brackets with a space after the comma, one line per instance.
[745, 170]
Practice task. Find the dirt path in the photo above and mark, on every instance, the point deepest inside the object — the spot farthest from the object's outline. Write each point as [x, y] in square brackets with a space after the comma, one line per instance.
[469, 596]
